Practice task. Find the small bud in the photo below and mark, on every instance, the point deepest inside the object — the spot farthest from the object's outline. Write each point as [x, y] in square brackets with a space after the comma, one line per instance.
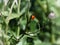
[51, 15]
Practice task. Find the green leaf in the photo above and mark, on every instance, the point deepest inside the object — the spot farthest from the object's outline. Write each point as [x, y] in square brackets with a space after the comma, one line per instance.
[33, 26]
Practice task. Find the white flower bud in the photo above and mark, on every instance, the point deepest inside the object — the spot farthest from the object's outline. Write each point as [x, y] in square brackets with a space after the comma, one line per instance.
[51, 15]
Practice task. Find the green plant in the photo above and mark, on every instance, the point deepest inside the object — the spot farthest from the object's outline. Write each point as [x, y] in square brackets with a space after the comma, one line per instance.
[29, 22]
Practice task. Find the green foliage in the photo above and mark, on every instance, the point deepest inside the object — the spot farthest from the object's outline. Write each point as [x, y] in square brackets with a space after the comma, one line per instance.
[18, 27]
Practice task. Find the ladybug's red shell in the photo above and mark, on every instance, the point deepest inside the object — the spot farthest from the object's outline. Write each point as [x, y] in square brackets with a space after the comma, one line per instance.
[32, 17]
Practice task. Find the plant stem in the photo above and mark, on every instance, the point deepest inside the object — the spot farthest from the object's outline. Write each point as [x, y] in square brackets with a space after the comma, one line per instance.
[19, 2]
[18, 31]
[52, 32]
[53, 35]
[6, 40]
[12, 6]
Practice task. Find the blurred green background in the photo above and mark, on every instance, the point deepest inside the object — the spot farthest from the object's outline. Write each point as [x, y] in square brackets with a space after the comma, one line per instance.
[29, 22]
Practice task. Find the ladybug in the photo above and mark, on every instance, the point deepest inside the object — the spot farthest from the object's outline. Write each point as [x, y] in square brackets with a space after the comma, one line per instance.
[32, 17]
